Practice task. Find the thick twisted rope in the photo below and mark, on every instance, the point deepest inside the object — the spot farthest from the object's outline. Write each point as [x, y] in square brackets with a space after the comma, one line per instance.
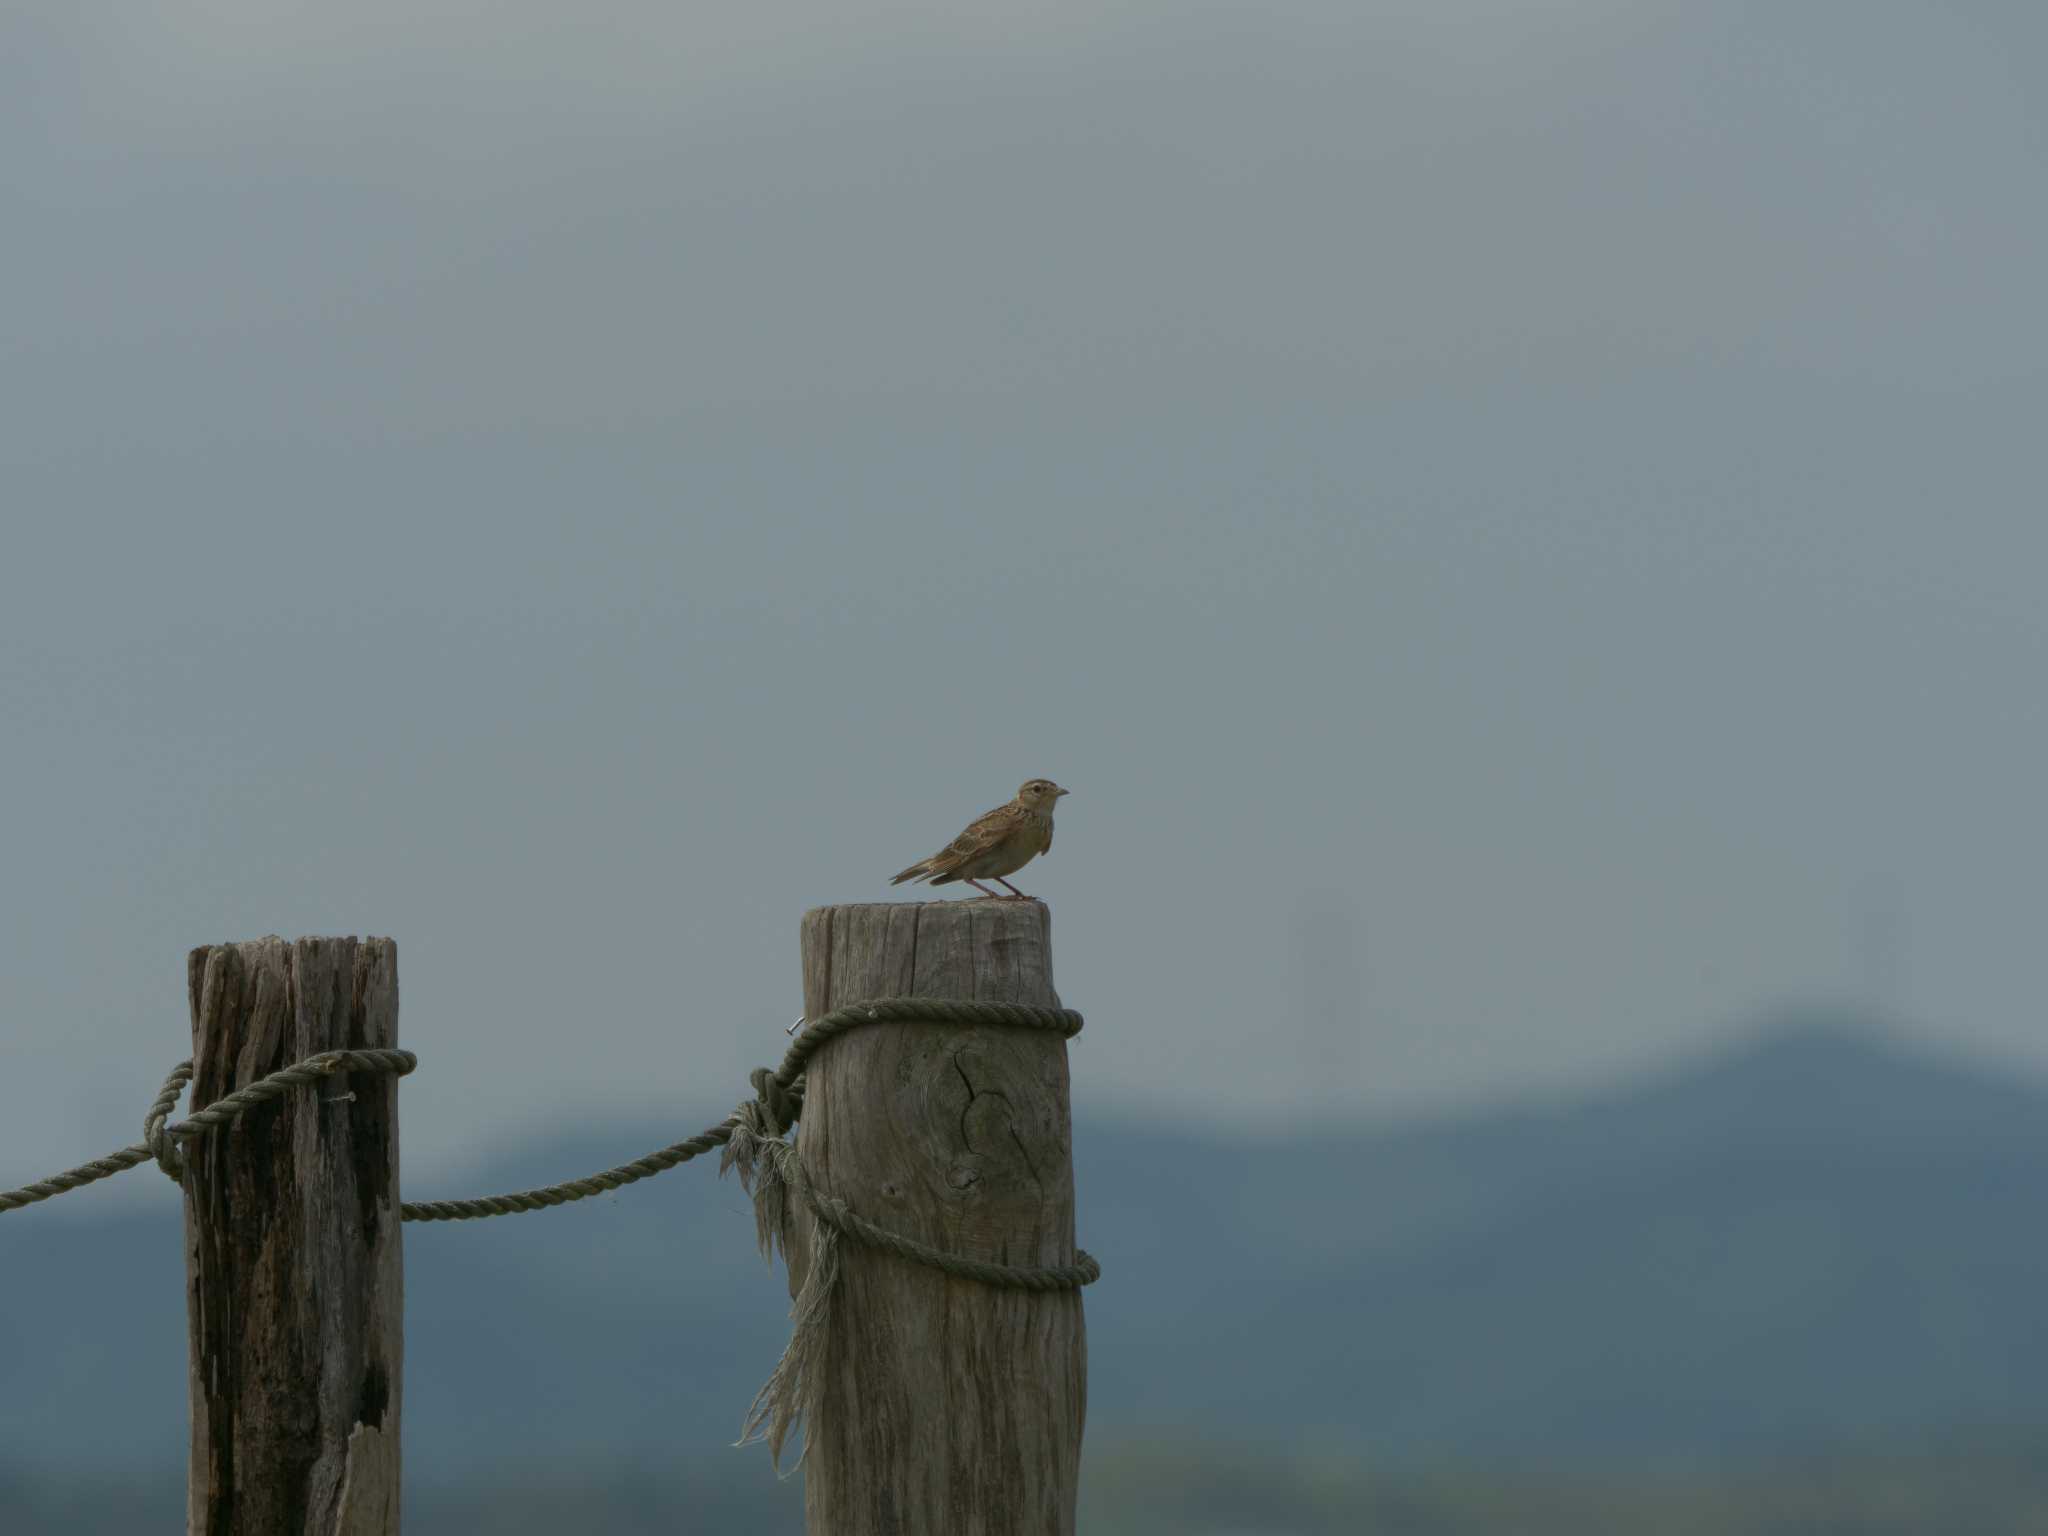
[771, 1171]
[777, 1103]
[1011, 1277]
[755, 1140]
[160, 1141]
[571, 1189]
[778, 1093]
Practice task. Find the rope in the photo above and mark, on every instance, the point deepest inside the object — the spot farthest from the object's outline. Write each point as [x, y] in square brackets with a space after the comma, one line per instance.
[571, 1189]
[160, 1140]
[755, 1140]
[775, 1107]
[1013, 1277]
[779, 1093]
[771, 1171]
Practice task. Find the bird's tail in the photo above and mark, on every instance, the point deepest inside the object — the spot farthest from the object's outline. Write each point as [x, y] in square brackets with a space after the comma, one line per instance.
[916, 871]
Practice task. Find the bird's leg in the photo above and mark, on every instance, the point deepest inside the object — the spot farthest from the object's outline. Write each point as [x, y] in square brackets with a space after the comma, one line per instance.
[1015, 894]
[984, 889]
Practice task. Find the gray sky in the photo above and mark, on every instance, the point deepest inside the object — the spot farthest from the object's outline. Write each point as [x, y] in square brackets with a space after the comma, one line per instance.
[1557, 487]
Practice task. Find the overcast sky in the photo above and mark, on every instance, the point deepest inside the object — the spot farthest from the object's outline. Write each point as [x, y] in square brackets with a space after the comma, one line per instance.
[1523, 527]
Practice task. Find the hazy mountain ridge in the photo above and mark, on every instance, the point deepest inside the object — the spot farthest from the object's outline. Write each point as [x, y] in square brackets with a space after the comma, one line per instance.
[1820, 1236]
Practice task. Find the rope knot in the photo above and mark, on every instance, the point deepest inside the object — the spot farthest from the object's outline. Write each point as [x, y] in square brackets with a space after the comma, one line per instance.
[164, 1149]
[779, 1106]
[156, 1134]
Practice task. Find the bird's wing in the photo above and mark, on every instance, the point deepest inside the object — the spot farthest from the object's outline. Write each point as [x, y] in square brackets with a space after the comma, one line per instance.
[982, 834]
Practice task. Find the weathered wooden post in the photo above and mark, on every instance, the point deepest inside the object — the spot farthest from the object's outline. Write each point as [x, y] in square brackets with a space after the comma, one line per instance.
[946, 1405]
[293, 1277]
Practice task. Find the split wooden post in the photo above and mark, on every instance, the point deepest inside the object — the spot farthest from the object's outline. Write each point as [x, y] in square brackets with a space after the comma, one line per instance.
[293, 1274]
[947, 1405]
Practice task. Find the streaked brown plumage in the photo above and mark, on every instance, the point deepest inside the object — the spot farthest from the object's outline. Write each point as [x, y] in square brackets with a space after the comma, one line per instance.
[997, 844]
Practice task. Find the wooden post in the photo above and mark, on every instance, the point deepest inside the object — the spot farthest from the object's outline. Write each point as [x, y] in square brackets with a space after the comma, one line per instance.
[947, 1405]
[293, 1278]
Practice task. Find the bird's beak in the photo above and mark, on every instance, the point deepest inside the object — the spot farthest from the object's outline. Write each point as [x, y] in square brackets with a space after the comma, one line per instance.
[1063, 792]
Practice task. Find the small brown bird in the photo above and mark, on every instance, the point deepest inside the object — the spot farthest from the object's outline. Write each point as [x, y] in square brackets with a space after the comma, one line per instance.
[995, 845]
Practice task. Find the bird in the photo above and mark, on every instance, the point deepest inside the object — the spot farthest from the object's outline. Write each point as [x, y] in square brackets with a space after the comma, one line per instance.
[996, 844]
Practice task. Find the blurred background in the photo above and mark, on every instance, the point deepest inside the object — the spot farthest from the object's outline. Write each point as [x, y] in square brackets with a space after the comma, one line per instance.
[1522, 527]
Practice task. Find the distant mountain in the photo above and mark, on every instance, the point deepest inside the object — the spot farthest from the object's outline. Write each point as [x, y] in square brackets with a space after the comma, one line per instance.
[1821, 1236]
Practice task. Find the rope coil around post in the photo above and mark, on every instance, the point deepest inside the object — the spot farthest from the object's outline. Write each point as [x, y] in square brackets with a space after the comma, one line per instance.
[1010, 1277]
[772, 1172]
[777, 1103]
[755, 1139]
[160, 1141]
[775, 1107]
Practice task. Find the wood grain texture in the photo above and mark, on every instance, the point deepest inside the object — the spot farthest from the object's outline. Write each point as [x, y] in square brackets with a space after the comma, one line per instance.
[948, 1406]
[294, 1278]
